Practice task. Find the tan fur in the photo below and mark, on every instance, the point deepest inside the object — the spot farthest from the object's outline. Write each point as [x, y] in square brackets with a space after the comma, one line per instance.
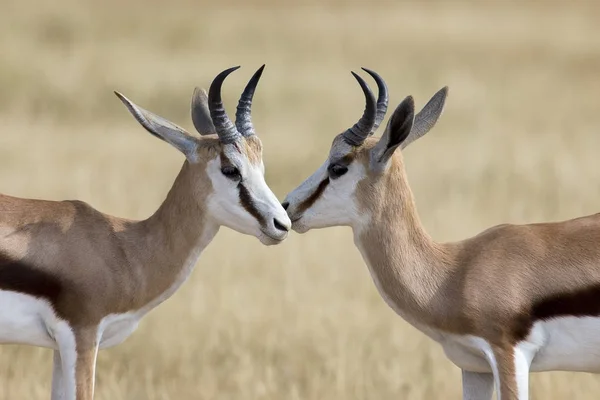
[453, 287]
[87, 349]
[253, 149]
[107, 264]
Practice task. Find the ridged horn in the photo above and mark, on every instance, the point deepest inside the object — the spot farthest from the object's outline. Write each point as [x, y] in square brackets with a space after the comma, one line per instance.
[243, 115]
[382, 98]
[225, 128]
[356, 135]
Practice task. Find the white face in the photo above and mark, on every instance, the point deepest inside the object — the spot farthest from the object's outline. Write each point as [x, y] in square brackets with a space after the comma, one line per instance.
[327, 198]
[241, 199]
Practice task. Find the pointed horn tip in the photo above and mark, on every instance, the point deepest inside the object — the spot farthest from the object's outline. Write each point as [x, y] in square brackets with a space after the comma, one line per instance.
[223, 74]
[372, 73]
[259, 72]
[358, 78]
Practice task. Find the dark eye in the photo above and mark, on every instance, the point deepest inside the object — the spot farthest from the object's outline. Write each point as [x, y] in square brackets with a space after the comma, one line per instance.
[232, 173]
[337, 170]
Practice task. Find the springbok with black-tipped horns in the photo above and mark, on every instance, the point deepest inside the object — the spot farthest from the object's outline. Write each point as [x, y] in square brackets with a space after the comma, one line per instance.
[75, 280]
[513, 299]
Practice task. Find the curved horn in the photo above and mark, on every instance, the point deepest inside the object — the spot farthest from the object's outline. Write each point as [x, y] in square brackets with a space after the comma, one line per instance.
[225, 128]
[356, 135]
[382, 98]
[243, 117]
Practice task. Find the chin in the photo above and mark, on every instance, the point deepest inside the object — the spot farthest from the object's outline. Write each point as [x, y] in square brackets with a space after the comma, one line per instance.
[300, 227]
[270, 241]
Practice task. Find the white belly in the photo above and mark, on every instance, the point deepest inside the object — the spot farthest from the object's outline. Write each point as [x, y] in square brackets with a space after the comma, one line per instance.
[25, 319]
[562, 344]
[115, 328]
[571, 344]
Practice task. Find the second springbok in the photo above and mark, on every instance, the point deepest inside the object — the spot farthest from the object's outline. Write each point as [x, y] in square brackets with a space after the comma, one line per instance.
[513, 299]
[76, 280]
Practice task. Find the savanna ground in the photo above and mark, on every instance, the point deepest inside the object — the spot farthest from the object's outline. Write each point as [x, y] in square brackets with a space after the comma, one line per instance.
[519, 142]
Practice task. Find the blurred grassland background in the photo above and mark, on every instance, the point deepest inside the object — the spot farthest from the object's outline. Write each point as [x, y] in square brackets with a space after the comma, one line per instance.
[519, 142]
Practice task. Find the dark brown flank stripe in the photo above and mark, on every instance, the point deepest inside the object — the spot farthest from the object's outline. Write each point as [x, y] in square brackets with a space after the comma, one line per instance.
[310, 200]
[581, 303]
[247, 202]
[16, 276]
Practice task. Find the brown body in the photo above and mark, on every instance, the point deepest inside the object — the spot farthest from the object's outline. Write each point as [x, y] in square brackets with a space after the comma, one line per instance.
[88, 264]
[512, 299]
[488, 285]
[76, 280]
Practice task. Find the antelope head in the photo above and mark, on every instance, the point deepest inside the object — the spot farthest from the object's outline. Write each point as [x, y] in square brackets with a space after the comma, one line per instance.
[226, 160]
[362, 172]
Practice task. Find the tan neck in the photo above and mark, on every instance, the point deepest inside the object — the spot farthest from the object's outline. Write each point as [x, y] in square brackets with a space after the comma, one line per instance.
[408, 267]
[168, 244]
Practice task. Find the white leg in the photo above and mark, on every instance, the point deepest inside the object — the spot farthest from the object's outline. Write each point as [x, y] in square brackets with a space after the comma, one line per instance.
[477, 386]
[57, 378]
[511, 373]
[78, 351]
[67, 354]
[522, 363]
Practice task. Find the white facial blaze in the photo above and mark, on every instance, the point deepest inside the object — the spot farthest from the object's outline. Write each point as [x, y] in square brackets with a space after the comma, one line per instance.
[335, 206]
[226, 203]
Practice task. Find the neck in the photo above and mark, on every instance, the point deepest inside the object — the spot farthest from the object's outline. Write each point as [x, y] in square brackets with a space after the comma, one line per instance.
[172, 239]
[407, 266]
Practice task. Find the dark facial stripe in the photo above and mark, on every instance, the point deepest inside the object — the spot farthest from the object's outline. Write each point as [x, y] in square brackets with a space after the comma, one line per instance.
[581, 303]
[310, 200]
[248, 204]
[20, 277]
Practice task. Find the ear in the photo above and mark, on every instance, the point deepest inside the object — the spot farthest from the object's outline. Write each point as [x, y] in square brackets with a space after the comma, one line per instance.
[163, 129]
[201, 114]
[398, 129]
[428, 116]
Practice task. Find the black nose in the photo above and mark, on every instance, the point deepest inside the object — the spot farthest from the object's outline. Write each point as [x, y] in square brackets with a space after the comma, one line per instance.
[285, 205]
[279, 225]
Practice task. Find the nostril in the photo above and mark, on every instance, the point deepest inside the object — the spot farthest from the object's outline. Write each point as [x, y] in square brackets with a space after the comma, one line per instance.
[279, 225]
[285, 205]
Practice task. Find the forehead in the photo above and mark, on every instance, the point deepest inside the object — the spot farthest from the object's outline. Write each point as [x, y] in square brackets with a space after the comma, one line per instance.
[340, 149]
[248, 149]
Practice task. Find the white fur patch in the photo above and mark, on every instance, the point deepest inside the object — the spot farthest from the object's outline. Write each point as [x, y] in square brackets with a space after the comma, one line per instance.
[561, 344]
[65, 340]
[571, 344]
[24, 320]
[336, 206]
[521, 360]
[470, 353]
[224, 202]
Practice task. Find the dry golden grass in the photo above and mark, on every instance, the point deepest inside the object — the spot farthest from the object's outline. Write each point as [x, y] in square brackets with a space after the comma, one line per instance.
[519, 142]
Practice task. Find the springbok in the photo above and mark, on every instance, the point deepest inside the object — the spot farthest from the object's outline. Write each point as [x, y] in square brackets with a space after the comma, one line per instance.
[513, 299]
[74, 279]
